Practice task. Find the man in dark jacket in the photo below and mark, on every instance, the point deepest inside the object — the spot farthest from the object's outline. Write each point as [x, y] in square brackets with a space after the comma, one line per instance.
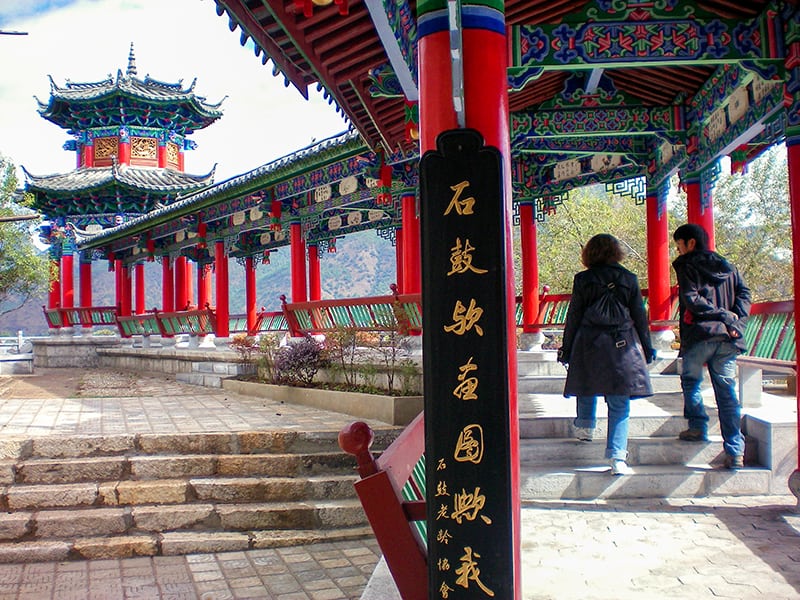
[714, 305]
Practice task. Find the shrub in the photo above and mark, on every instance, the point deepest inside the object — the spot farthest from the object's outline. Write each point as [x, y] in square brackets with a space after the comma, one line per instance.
[245, 346]
[299, 361]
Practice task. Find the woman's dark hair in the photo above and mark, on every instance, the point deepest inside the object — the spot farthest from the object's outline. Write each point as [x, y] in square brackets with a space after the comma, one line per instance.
[602, 249]
[692, 231]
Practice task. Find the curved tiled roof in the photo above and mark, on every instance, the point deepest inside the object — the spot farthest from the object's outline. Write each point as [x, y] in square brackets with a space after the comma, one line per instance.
[142, 178]
[80, 105]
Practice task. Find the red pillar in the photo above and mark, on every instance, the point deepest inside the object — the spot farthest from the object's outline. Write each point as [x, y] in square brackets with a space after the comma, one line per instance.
[123, 288]
[203, 285]
[138, 272]
[221, 269]
[412, 264]
[181, 299]
[124, 153]
[167, 285]
[694, 207]
[658, 242]
[298, 260]
[54, 298]
[485, 54]
[793, 153]
[118, 286]
[85, 274]
[314, 276]
[398, 258]
[88, 156]
[530, 268]
[67, 281]
[250, 294]
[162, 155]
[188, 272]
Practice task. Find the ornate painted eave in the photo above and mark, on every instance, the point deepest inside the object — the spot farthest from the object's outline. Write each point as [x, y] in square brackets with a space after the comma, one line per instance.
[337, 148]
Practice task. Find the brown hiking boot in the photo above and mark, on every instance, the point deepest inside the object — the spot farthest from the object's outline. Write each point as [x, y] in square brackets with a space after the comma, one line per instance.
[693, 435]
[734, 462]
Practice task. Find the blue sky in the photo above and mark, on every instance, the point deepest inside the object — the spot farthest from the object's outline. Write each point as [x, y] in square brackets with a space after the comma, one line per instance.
[174, 40]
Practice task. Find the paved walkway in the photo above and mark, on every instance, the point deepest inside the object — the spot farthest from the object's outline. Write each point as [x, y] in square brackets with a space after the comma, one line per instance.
[727, 547]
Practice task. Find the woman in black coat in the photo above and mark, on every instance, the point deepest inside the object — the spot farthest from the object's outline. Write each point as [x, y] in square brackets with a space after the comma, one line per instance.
[606, 345]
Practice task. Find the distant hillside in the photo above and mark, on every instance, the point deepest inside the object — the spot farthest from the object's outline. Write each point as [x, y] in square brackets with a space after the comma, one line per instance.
[364, 265]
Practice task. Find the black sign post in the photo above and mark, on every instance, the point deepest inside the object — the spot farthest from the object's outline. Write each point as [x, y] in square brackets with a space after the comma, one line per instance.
[465, 360]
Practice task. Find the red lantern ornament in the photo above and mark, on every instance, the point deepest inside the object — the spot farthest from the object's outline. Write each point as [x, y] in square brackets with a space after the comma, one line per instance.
[201, 235]
[275, 216]
[265, 258]
[151, 249]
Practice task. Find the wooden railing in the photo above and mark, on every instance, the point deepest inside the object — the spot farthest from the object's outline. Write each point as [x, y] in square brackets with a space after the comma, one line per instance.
[396, 312]
[195, 323]
[80, 316]
[266, 322]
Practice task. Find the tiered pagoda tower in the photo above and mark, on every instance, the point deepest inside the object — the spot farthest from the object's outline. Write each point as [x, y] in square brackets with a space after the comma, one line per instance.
[129, 136]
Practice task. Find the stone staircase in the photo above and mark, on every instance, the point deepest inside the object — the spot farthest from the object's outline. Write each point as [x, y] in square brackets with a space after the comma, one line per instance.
[554, 465]
[143, 495]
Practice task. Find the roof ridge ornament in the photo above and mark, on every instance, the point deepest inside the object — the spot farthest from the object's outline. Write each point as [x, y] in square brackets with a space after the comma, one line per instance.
[131, 71]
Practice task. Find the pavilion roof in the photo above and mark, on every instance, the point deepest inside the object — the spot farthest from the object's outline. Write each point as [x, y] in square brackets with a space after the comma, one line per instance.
[128, 100]
[116, 188]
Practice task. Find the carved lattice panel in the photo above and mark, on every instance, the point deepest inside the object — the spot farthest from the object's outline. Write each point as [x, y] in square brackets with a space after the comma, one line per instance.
[105, 148]
[144, 150]
[173, 154]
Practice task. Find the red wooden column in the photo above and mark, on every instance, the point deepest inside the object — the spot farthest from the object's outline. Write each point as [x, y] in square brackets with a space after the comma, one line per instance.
[124, 157]
[530, 269]
[398, 258]
[167, 285]
[188, 272]
[298, 260]
[67, 280]
[203, 285]
[54, 297]
[181, 299]
[221, 270]
[118, 286]
[124, 288]
[793, 152]
[696, 212]
[658, 265]
[250, 294]
[85, 280]
[139, 301]
[412, 264]
[162, 154]
[485, 101]
[314, 275]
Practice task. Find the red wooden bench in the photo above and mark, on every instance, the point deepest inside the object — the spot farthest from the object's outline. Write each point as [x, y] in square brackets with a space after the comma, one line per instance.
[392, 492]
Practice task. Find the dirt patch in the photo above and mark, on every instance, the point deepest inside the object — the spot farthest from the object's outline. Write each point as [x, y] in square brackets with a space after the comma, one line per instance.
[44, 383]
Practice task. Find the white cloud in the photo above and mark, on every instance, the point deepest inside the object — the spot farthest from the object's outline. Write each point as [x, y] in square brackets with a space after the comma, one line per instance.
[173, 40]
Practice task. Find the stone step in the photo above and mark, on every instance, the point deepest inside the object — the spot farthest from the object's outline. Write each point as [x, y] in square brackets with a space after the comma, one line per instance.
[649, 481]
[536, 453]
[166, 544]
[116, 468]
[554, 383]
[237, 442]
[81, 522]
[665, 426]
[176, 491]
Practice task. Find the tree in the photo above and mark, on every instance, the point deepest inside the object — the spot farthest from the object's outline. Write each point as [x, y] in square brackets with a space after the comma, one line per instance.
[753, 224]
[589, 211]
[24, 272]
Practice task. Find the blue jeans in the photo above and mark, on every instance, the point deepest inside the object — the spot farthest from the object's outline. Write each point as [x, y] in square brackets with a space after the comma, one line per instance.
[720, 357]
[619, 409]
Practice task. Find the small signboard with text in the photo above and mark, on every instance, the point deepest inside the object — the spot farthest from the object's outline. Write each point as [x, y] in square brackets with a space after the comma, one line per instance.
[465, 360]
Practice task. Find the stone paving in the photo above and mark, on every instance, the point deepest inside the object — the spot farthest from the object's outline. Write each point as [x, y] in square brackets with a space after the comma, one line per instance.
[723, 547]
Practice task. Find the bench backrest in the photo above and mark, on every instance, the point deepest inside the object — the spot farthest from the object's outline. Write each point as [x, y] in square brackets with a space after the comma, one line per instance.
[401, 312]
[770, 331]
